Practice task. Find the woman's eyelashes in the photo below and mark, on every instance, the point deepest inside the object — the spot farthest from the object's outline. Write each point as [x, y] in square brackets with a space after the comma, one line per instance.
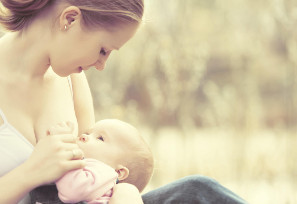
[103, 52]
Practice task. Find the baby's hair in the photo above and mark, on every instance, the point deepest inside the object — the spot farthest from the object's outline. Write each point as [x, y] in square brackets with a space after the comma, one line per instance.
[140, 165]
[16, 15]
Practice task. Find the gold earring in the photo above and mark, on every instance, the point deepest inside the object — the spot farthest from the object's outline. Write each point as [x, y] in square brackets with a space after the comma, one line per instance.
[65, 27]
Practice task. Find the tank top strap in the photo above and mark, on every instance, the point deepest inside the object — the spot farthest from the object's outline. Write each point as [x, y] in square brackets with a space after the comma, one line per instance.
[70, 85]
[2, 116]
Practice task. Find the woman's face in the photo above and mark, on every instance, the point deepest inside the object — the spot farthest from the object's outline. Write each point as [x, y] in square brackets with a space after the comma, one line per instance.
[76, 49]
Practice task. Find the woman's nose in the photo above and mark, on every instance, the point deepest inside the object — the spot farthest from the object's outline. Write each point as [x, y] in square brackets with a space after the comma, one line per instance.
[100, 64]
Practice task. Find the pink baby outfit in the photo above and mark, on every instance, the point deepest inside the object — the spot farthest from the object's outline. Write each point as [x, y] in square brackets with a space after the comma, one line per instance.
[92, 184]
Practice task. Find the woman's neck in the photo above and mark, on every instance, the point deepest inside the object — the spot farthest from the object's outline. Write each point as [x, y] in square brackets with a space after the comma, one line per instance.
[25, 54]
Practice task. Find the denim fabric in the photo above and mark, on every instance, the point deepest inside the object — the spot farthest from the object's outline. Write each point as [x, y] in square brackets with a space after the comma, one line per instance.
[192, 189]
[189, 190]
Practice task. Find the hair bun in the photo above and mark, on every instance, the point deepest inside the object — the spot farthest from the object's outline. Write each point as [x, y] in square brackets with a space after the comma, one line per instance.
[24, 7]
[18, 13]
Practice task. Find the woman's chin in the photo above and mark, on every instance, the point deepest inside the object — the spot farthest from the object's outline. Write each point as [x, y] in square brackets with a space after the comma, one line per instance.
[65, 73]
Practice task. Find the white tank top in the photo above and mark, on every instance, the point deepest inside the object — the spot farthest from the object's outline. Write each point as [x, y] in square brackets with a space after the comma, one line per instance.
[14, 147]
[14, 150]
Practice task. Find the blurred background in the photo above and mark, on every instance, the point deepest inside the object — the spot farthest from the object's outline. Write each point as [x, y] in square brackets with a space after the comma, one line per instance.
[211, 84]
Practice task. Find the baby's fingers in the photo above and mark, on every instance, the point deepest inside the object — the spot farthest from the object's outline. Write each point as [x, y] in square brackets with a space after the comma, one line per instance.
[61, 128]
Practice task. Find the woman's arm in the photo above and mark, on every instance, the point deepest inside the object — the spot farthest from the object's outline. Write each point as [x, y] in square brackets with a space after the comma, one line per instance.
[83, 102]
[125, 193]
[16, 184]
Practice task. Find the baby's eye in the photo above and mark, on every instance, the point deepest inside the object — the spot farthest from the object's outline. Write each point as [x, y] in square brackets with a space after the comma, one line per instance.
[100, 138]
[103, 52]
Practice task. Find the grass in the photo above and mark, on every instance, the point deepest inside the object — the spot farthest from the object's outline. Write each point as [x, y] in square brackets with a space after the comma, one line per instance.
[260, 167]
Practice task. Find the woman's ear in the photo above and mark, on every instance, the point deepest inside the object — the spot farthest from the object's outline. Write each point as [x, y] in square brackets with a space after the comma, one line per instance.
[69, 16]
[123, 172]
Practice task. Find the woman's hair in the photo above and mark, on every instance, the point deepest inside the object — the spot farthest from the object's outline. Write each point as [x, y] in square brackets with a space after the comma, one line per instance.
[16, 15]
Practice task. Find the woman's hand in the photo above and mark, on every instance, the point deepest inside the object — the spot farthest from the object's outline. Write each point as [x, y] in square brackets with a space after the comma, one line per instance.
[55, 155]
[125, 193]
[52, 157]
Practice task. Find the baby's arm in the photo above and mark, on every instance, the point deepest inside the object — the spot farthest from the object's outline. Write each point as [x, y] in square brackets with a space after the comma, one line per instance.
[87, 184]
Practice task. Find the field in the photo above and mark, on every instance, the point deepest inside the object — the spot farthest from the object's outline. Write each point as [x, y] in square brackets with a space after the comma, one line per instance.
[260, 167]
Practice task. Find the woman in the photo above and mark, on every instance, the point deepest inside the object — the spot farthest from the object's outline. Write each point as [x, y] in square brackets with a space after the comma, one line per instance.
[53, 39]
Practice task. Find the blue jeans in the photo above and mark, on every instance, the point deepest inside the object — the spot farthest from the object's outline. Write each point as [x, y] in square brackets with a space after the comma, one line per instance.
[192, 189]
[189, 190]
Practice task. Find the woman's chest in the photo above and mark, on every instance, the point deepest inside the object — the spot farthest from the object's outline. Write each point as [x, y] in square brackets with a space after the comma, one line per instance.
[33, 109]
[57, 106]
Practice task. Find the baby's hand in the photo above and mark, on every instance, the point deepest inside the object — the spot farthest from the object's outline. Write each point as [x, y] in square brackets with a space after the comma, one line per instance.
[61, 128]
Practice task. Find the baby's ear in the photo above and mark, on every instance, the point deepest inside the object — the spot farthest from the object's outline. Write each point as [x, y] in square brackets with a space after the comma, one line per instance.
[123, 172]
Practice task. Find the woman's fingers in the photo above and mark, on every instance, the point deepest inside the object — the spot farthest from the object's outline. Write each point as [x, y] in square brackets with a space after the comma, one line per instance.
[58, 154]
[76, 154]
[75, 164]
[70, 146]
[67, 143]
[66, 138]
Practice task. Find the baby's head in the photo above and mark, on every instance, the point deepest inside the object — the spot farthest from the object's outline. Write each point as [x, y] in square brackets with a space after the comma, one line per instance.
[119, 145]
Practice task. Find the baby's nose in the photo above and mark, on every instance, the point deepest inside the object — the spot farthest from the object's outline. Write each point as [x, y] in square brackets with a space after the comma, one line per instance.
[83, 138]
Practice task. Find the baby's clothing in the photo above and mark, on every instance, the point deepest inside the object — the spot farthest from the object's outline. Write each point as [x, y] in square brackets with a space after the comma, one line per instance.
[92, 184]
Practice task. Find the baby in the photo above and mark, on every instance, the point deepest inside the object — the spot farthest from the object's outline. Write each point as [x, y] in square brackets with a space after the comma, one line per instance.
[114, 152]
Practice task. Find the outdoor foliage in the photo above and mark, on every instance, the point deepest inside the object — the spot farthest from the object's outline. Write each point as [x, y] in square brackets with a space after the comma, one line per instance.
[211, 84]
[204, 64]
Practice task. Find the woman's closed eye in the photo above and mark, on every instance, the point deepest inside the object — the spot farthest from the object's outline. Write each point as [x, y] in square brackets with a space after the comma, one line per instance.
[103, 52]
